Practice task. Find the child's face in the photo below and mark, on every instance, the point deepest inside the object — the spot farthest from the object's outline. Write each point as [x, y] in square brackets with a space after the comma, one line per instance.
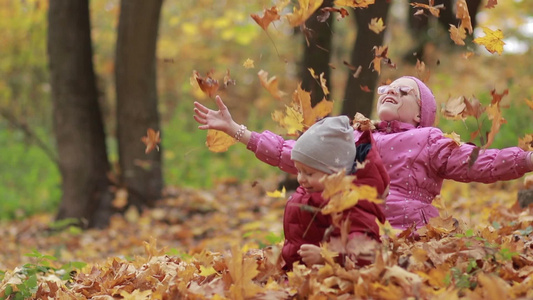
[399, 101]
[309, 178]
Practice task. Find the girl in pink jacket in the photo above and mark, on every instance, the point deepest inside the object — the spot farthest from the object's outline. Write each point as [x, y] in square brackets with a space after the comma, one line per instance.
[418, 156]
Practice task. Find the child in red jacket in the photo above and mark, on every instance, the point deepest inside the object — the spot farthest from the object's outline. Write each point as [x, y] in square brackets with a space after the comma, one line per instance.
[325, 148]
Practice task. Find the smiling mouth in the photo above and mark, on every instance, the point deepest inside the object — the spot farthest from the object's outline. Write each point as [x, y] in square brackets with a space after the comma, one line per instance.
[389, 100]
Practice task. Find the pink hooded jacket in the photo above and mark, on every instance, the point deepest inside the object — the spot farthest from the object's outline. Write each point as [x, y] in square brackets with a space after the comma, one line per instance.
[417, 159]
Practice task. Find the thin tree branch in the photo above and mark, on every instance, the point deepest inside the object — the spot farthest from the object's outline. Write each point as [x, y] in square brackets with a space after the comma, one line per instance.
[30, 134]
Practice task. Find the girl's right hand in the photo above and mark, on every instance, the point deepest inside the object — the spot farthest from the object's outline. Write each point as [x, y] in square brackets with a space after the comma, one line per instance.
[217, 120]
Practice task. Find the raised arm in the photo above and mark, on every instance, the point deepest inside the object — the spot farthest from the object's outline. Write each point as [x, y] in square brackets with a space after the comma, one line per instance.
[220, 120]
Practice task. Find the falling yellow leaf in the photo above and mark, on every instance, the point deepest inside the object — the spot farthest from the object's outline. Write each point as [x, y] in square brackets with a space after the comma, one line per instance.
[463, 15]
[304, 10]
[354, 3]
[291, 120]
[526, 143]
[269, 16]
[277, 194]
[376, 25]
[493, 40]
[218, 141]
[248, 64]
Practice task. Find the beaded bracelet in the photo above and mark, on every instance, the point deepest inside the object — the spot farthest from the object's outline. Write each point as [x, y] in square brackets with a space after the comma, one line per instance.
[240, 133]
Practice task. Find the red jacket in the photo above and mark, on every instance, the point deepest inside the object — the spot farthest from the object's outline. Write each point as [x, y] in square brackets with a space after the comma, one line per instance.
[303, 226]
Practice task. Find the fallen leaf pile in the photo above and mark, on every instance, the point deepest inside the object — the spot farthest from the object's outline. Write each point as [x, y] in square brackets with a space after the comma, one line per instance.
[225, 244]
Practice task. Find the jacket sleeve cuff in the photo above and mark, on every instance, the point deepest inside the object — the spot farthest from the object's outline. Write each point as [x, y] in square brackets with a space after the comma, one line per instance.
[529, 162]
[252, 143]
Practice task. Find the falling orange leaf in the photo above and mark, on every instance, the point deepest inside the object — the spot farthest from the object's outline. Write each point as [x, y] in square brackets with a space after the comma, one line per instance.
[493, 40]
[326, 12]
[228, 80]
[218, 141]
[304, 10]
[457, 35]
[376, 25]
[271, 85]
[360, 122]
[433, 9]
[380, 55]
[302, 99]
[151, 140]
[463, 15]
[269, 16]
[365, 88]
[208, 85]
[494, 113]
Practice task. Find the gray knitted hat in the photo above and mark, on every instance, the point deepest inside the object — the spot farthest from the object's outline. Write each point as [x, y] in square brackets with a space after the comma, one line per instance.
[327, 146]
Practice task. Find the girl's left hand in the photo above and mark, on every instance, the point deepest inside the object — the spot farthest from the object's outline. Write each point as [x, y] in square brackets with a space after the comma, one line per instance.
[310, 254]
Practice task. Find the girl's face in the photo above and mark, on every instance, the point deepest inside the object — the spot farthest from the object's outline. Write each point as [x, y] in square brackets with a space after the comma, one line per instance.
[399, 101]
[309, 178]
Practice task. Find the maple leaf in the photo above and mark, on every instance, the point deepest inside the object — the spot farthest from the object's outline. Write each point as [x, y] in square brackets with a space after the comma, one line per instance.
[305, 9]
[151, 140]
[292, 120]
[248, 64]
[271, 85]
[526, 143]
[376, 25]
[494, 113]
[457, 35]
[454, 108]
[277, 194]
[302, 99]
[360, 122]
[386, 229]
[228, 80]
[208, 85]
[242, 271]
[463, 15]
[493, 40]
[380, 54]
[342, 193]
[326, 11]
[218, 141]
[269, 16]
[354, 3]
[433, 9]
[491, 4]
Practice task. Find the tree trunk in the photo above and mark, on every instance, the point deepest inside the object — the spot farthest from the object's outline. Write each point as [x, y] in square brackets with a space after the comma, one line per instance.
[78, 126]
[135, 75]
[317, 54]
[355, 98]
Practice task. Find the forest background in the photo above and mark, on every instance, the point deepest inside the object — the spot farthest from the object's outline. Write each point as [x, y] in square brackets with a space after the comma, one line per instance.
[218, 35]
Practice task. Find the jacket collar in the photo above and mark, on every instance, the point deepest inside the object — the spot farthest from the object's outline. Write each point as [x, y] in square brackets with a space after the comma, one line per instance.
[393, 126]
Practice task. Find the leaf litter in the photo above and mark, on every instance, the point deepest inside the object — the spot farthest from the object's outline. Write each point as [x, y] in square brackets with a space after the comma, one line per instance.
[225, 243]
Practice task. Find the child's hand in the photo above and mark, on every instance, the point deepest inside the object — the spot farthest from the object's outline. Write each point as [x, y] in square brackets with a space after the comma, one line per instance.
[217, 120]
[310, 254]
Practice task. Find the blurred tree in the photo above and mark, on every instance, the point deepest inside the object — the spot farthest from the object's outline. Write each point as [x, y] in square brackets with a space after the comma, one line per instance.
[420, 27]
[78, 126]
[356, 99]
[135, 75]
[317, 53]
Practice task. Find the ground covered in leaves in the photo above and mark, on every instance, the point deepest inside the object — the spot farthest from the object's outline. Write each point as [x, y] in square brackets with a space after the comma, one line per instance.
[225, 243]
